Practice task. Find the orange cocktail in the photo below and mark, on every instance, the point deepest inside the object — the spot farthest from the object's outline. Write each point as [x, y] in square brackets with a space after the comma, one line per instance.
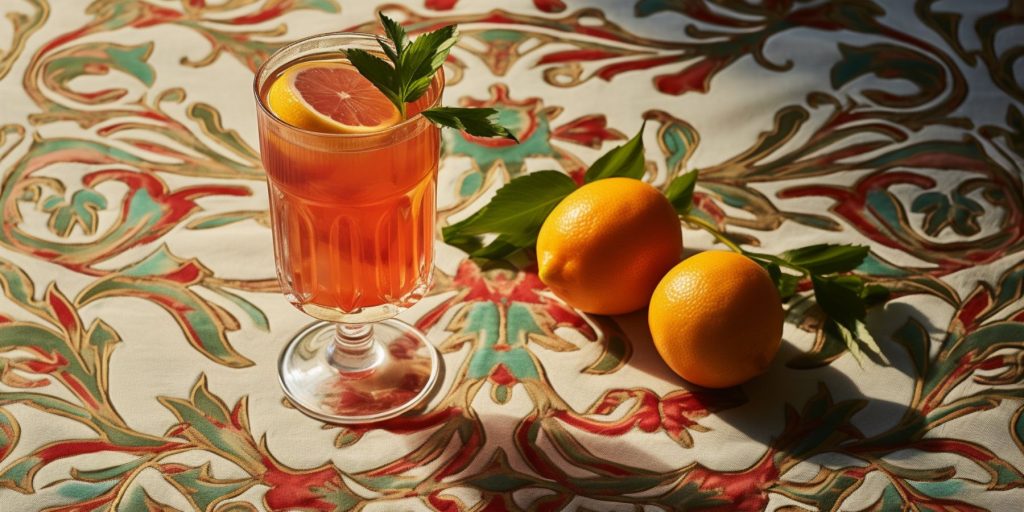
[354, 215]
[352, 185]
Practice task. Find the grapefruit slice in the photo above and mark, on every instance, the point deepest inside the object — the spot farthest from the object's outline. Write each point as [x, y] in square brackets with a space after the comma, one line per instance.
[330, 97]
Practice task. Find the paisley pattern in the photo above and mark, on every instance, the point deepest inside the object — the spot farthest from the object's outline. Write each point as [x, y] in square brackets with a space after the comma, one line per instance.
[141, 318]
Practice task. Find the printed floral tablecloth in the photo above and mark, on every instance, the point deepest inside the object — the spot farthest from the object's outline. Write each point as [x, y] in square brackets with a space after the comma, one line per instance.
[141, 322]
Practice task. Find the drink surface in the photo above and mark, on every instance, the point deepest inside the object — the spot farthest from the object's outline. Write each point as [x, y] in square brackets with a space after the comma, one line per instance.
[353, 216]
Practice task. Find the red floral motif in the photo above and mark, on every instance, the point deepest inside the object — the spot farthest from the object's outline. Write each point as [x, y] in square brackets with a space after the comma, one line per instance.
[502, 288]
[501, 376]
[736, 491]
[696, 77]
[543, 5]
[591, 131]
[344, 400]
[440, 5]
[675, 413]
[304, 490]
[40, 363]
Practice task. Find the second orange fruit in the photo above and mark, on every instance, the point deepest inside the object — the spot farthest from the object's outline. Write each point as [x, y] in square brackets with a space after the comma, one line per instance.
[716, 319]
[605, 246]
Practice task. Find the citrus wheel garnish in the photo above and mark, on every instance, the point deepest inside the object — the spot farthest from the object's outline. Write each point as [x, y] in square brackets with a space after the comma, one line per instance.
[330, 97]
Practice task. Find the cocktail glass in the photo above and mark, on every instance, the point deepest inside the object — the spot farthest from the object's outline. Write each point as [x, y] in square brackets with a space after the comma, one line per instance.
[353, 224]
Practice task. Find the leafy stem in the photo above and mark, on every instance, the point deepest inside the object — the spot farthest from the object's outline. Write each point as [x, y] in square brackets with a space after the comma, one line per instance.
[517, 211]
[408, 75]
[713, 231]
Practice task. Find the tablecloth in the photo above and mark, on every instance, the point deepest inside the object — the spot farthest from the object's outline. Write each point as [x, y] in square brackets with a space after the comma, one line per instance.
[141, 320]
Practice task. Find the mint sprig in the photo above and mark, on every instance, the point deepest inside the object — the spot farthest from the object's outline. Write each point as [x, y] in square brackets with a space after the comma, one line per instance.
[409, 74]
[474, 121]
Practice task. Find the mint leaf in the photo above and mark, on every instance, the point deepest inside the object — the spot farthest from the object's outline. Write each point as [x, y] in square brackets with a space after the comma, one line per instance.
[827, 258]
[423, 58]
[398, 37]
[378, 72]
[625, 161]
[517, 210]
[481, 122]
[412, 69]
[680, 192]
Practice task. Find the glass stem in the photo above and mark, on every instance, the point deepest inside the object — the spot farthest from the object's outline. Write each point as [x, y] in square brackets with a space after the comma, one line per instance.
[354, 348]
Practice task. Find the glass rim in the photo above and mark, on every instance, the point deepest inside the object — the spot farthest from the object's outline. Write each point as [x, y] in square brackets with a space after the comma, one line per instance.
[438, 76]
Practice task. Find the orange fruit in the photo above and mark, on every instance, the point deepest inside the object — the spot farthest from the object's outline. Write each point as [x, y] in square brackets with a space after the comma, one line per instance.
[330, 97]
[606, 245]
[716, 319]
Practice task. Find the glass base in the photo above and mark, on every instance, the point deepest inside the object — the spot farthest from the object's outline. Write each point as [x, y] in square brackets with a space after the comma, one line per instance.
[398, 373]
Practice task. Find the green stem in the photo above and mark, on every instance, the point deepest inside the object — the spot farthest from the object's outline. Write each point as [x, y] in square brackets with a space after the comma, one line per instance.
[720, 236]
[707, 226]
[778, 261]
[401, 109]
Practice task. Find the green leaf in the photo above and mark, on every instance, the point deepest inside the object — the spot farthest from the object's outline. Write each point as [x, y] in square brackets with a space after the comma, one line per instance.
[467, 243]
[379, 73]
[842, 303]
[412, 69]
[499, 248]
[874, 294]
[625, 161]
[481, 122]
[784, 283]
[680, 192]
[827, 347]
[517, 210]
[423, 58]
[773, 270]
[838, 301]
[853, 283]
[827, 258]
[396, 33]
[787, 285]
